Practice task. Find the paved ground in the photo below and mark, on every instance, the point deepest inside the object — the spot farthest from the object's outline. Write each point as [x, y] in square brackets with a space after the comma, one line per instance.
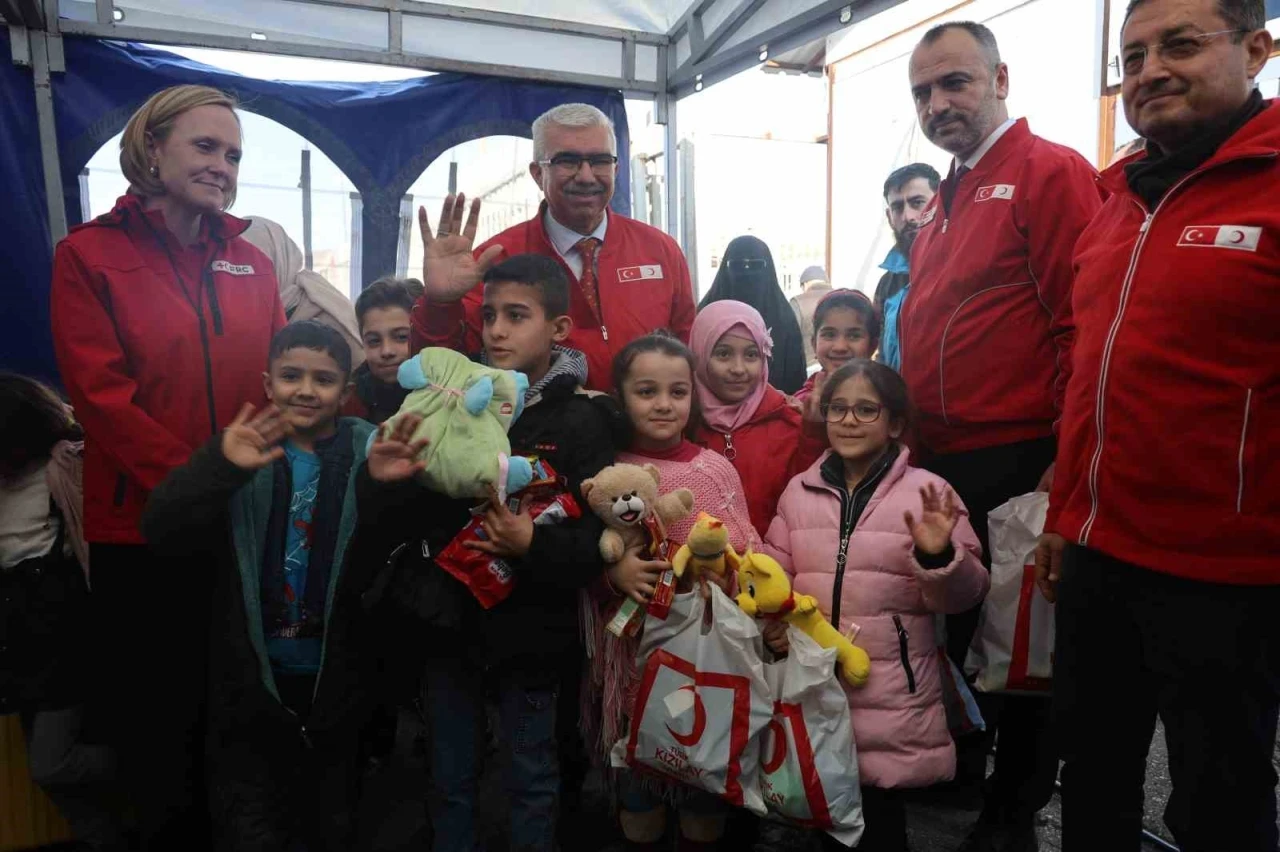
[395, 821]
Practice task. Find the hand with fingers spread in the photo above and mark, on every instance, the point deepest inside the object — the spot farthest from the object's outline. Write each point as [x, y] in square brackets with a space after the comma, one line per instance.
[812, 406]
[252, 441]
[394, 455]
[449, 271]
[635, 576]
[510, 533]
[938, 517]
[1049, 564]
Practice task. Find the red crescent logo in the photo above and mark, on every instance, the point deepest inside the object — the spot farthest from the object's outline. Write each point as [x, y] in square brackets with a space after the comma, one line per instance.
[699, 721]
[779, 751]
[1237, 237]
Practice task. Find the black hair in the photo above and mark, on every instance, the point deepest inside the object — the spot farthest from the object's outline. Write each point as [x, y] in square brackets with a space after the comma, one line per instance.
[981, 34]
[32, 419]
[1243, 15]
[662, 342]
[537, 271]
[900, 177]
[310, 334]
[387, 292]
[854, 300]
[888, 385]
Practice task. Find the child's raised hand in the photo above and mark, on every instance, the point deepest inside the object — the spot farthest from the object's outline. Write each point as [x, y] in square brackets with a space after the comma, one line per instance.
[394, 457]
[812, 404]
[636, 577]
[938, 518]
[252, 441]
[510, 533]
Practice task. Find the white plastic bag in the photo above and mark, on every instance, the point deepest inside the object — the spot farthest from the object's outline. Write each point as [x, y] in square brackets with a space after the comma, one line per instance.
[702, 701]
[1012, 649]
[809, 765]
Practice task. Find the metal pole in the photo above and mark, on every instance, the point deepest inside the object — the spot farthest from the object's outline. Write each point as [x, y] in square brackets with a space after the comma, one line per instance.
[453, 178]
[57, 207]
[305, 185]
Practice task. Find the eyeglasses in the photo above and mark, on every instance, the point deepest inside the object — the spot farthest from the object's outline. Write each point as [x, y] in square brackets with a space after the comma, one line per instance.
[863, 412]
[747, 264]
[1174, 49]
[569, 164]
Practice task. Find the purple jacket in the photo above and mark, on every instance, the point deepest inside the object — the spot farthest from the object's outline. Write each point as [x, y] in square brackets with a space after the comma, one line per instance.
[899, 722]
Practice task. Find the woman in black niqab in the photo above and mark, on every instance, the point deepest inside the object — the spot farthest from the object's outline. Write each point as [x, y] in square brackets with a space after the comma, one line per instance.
[747, 274]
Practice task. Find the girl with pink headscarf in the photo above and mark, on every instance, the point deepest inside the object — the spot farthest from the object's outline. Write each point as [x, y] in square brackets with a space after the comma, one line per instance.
[745, 419]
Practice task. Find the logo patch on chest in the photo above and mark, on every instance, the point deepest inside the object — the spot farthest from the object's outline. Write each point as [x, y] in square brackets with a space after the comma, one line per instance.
[1238, 237]
[231, 268]
[928, 216]
[999, 191]
[639, 273]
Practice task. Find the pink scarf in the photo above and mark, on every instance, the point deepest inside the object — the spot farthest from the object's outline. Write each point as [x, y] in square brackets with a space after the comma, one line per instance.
[711, 323]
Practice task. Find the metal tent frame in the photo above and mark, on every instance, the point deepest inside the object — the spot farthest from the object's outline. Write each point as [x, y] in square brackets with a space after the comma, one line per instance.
[709, 41]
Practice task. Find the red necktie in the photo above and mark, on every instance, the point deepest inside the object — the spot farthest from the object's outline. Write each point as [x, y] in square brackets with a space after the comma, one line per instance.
[587, 248]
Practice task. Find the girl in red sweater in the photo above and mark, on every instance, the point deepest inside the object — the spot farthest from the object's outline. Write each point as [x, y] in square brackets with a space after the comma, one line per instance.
[744, 419]
[654, 378]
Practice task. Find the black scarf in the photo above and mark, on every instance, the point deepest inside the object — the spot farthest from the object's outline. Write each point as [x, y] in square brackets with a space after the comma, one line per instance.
[759, 289]
[336, 458]
[1153, 176]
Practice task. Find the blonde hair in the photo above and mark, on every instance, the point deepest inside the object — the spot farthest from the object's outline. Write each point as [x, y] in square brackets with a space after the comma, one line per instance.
[570, 115]
[156, 117]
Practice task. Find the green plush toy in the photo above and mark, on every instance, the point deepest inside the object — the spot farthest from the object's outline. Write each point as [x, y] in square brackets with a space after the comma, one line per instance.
[466, 410]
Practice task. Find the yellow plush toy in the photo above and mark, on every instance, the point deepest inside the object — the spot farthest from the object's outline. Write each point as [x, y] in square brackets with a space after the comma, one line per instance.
[707, 549]
[766, 593]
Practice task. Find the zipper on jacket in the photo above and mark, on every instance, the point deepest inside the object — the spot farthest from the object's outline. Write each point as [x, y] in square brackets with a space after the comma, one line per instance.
[1244, 435]
[729, 452]
[903, 654]
[214, 307]
[842, 557]
[1099, 414]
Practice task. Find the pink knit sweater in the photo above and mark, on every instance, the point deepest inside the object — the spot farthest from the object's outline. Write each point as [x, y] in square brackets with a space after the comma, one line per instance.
[717, 490]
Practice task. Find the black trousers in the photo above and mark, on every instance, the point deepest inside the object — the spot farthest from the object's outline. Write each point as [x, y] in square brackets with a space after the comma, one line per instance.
[1135, 644]
[884, 813]
[151, 646]
[1026, 765]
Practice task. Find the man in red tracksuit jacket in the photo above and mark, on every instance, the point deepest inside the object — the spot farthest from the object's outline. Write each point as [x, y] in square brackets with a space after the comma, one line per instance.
[986, 338]
[1168, 478]
[630, 278]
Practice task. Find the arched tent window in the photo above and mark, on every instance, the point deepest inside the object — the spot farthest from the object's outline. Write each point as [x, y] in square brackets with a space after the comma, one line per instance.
[271, 184]
[494, 169]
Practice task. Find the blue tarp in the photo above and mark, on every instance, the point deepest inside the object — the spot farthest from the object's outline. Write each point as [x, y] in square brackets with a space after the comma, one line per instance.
[382, 135]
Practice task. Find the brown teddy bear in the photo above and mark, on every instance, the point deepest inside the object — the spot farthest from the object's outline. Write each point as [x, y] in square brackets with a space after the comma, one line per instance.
[626, 498]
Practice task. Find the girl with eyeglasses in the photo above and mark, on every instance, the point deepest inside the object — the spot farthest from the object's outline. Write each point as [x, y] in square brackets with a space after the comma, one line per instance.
[884, 547]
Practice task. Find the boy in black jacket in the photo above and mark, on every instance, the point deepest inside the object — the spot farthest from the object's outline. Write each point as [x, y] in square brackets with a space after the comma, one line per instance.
[270, 502]
[521, 650]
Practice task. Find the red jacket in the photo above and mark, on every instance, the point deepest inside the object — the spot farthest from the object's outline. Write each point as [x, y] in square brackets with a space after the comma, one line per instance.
[642, 279]
[153, 366]
[767, 452]
[1169, 449]
[986, 328]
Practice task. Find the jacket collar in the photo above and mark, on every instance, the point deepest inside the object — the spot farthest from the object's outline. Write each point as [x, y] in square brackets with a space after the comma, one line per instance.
[1011, 141]
[568, 372]
[129, 214]
[814, 478]
[896, 262]
[1259, 138]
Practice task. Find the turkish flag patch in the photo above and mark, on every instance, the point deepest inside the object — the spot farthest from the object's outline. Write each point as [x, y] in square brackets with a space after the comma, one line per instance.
[1003, 191]
[639, 273]
[1238, 237]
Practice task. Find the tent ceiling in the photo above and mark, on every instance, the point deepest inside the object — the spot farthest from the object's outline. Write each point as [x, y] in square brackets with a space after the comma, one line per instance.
[659, 48]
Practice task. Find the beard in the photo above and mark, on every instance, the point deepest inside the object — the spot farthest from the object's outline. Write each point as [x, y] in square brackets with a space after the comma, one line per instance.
[906, 239]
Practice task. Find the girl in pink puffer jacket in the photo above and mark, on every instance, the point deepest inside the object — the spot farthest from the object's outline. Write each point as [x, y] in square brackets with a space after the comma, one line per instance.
[884, 546]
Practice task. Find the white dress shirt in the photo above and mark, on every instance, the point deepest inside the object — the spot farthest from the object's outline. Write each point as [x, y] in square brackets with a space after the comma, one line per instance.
[987, 145]
[565, 239]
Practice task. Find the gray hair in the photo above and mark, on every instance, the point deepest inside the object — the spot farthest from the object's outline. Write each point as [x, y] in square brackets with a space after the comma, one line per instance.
[570, 115]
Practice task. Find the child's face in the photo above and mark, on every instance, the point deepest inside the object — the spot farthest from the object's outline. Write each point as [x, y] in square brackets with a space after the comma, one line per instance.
[852, 439]
[518, 334]
[385, 334]
[841, 338]
[310, 388]
[734, 368]
[658, 395]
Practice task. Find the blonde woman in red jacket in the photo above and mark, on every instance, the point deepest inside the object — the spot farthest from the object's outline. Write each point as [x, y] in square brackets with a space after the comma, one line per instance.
[162, 317]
